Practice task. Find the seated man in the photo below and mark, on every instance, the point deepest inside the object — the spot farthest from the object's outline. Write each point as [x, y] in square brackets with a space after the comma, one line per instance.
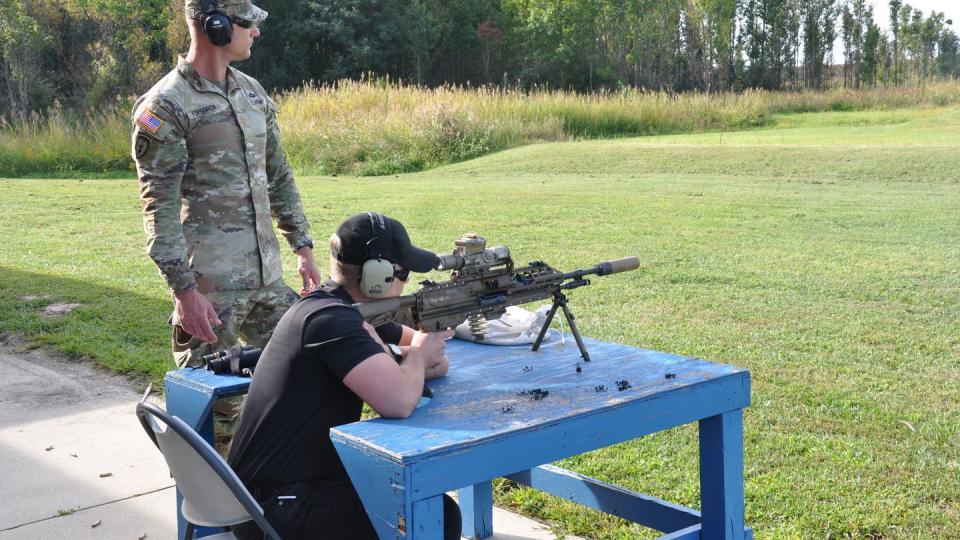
[321, 364]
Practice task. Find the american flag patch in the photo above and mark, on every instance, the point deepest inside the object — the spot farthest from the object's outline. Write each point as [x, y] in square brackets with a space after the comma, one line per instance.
[149, 121]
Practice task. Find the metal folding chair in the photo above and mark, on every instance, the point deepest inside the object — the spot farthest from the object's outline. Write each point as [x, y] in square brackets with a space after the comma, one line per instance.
[213, 496]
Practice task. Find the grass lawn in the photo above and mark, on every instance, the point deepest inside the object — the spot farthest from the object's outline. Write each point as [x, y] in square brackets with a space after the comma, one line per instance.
[822, 254]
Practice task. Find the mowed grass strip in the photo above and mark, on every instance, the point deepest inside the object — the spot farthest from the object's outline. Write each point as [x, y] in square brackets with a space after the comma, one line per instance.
[824, 258]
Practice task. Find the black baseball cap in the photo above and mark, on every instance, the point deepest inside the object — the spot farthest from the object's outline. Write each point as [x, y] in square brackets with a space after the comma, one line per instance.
[375, 236]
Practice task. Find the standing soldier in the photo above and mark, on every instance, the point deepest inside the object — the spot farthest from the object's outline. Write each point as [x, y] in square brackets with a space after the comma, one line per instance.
[212, 173]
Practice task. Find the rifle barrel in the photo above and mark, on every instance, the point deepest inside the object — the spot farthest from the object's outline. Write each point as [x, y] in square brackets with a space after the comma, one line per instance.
[606, 268]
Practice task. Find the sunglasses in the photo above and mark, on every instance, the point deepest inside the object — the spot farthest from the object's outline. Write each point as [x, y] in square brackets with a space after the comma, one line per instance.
[400, 272]
[243, 23]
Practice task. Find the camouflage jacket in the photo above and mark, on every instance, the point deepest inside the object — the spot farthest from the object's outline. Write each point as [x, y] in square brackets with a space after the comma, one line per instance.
[212, 172]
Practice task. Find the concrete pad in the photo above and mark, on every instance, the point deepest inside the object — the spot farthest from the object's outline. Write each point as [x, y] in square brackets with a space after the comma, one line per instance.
[67, 445]
[129, 519]
[510, 526]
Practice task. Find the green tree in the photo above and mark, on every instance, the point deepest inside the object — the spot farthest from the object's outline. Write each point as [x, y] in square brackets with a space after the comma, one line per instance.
[768, 42]
[424, 29]
[22, 39]
[948, 61]
[895, 6]
[862, 18]
[846, 34]
[819, 32]
[290, 50]
[872, 53]
[360, 36]
[458, 54]
[930, 31]
[131, 46]
[720, 21]
[561, 38]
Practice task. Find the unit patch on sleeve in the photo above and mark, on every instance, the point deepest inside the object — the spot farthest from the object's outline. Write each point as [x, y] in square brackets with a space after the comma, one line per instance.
[141, 146]
[149, 121]
[254, 99]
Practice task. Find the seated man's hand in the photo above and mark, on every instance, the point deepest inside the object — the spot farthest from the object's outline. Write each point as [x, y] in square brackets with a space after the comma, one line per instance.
[432, 345]
[437, 369]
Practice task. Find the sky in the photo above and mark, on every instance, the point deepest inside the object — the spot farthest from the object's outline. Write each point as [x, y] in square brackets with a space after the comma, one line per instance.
[950, 8]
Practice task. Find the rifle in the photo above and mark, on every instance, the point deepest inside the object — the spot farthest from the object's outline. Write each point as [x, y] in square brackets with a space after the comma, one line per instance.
[482, 284]
[237, 360]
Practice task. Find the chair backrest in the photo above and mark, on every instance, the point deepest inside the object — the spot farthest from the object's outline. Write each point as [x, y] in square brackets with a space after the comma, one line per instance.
[213, 495]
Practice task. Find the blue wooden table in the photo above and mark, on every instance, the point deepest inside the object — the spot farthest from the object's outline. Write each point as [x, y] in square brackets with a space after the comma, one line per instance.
[508, 411]
[478, 427]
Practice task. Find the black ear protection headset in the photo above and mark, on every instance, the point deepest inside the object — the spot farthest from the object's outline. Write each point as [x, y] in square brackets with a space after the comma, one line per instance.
[215, 23]
[376, 274]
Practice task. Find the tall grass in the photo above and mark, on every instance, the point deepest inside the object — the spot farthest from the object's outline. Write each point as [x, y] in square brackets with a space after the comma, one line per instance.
[58, 144]
[377, 127]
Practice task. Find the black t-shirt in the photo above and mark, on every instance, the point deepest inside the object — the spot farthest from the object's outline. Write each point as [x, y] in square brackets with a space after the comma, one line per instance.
[297, 393]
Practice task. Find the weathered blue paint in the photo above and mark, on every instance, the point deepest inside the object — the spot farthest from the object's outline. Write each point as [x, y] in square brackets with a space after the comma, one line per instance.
[191, 392]
[477, 427]
[389, 481]
[476, 507]
[190, 395]
[468, 402]
[522, 449]
[427, 521]
[693, 533]
[689, 533]
[721, 475]
[643, 509]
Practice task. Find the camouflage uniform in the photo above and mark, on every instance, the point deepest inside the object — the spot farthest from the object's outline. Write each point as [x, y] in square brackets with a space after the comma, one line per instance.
[212, 172]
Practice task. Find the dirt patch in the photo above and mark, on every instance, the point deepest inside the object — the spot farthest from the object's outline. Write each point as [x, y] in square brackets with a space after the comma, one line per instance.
[58, 309]
[30, 372]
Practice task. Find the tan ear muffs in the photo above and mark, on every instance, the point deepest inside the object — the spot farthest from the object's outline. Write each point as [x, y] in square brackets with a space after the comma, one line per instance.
[376, 276]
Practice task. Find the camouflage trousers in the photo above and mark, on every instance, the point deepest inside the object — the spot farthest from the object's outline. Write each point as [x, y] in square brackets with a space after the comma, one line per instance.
[247, 317]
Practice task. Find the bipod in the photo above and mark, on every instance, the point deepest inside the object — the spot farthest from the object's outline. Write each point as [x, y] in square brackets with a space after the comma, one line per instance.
[560, 301]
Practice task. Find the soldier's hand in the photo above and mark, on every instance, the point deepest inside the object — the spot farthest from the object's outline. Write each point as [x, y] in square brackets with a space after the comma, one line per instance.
[196, 314]
[307, 267]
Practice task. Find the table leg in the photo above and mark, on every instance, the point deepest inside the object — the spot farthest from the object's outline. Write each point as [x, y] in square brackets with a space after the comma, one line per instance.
[476, 508]
[721, 476]
[427, 519]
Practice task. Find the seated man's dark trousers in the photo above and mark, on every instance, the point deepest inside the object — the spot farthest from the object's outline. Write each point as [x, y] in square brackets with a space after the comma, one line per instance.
[329, 510]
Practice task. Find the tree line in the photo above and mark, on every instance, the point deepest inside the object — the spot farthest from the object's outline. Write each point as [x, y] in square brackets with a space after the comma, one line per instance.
[85, 55]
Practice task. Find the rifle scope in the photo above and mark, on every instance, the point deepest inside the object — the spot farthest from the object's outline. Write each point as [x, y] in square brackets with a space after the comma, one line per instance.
[471, 254]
